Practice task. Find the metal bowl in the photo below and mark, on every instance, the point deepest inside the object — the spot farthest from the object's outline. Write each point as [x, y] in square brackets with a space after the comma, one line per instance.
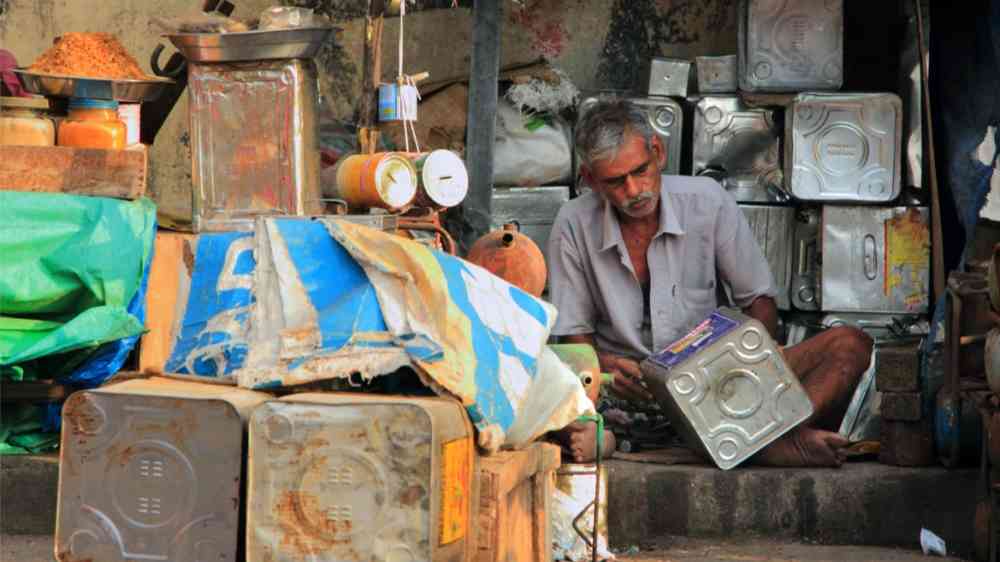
[302, 43]
[95, 88]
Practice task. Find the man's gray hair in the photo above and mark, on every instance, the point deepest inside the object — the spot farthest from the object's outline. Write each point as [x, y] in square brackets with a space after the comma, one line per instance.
[601, 131]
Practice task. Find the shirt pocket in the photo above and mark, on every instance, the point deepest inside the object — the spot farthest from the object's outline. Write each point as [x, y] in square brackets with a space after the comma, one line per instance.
[698, 303]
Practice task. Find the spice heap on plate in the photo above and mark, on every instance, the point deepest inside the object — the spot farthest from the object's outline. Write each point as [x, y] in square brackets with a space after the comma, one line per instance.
[94, 55]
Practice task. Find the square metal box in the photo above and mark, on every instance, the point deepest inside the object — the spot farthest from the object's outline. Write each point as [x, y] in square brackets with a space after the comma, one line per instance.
[738, 146]
[875, 259]
[534, 209]
[773, 226]
[727, 388]
[254, 142]
[844, 147]
[151, 469]
[663, 76]
[717, 75]
[351, 476]
[791, 45]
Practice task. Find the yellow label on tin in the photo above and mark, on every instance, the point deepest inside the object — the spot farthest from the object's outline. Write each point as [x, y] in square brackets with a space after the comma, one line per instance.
[456, 495]
[907, 253]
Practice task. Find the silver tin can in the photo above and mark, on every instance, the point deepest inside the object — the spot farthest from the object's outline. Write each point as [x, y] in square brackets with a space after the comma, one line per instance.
[665, 117]
[806, 269]
[879, 326]
[844, 147]
[151, 469]
[353, 476]
[717, 75]
[773, 227]
[738, 146]
[534, 209]
[791, 45]
[727, 388]
[875, 259]
[254, 142]
[663, 76]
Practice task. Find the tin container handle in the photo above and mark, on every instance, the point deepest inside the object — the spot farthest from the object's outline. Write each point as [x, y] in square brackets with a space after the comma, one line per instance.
[871, 258]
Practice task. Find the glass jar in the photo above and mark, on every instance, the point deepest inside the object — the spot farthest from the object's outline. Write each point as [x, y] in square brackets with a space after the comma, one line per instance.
[92, 123]
[24, 122]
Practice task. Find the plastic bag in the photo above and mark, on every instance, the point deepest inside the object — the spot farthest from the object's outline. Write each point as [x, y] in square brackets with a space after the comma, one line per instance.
[530, 150]
[286, 17]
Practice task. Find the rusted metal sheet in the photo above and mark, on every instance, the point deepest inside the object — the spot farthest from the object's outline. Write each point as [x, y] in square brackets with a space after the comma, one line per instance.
[902, 406]
[150, 469]
[897, 367]
[345, 476]
[907, 443]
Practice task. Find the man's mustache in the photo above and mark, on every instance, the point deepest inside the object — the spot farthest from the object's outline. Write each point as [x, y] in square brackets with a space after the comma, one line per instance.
[639, 199]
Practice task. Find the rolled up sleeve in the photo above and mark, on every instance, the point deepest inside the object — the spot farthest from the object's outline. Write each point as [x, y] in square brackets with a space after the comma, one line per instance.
[568, 285]
[739, 258]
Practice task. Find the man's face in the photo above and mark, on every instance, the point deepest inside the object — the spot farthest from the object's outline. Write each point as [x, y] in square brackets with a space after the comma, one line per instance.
[631, 180]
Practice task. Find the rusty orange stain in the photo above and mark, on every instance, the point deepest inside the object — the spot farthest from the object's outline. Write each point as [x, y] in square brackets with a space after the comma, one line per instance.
[299, 536]
[411, 494]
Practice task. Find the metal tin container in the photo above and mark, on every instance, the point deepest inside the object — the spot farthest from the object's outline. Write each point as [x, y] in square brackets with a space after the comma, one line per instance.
[386, 180]
[879, 326]
[573, 512]
[663, 76]
[254, 142]
[665, 117]
[350, 476]
[443, 180]
[773, 227]
[151, 469]
[843, 147]
[791, 45]
[806, 268]
[727, 388]
[534, 209]
[739, 147]
[875, 259]
[717, 75]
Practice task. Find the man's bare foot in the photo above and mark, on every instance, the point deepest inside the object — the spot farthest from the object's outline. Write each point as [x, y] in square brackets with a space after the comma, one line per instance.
[805, 446]
[580, 439]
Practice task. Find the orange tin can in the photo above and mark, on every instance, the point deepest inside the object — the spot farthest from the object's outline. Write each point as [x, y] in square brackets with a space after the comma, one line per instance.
[386, 180]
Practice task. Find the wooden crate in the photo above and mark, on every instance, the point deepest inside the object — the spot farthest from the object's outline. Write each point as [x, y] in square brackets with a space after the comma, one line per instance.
[515, 492]
[170, 272]
[77, 171]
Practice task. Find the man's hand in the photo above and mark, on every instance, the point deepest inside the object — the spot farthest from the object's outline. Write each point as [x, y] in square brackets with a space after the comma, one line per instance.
[627, 381]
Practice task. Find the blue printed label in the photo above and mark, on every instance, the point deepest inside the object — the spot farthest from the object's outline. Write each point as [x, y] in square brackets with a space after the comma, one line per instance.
[711, 330]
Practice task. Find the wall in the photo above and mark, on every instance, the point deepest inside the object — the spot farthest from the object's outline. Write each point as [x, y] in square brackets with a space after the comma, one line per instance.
[599, 43]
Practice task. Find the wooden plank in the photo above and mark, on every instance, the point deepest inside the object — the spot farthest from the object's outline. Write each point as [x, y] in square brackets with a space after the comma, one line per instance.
[32, 391]
[173, 258]
[78, 171]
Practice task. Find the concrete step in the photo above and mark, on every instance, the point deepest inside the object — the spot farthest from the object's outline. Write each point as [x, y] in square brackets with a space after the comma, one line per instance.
[28, 490]
[858, 504]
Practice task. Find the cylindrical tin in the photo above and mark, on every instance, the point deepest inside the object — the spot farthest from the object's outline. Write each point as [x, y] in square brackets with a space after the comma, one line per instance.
[397, 103]
[442, 179]
[386, 180]
[573, 512]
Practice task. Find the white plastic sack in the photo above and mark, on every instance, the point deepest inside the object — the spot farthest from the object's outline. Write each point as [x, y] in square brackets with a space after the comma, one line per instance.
[573, 495]
[526, 158]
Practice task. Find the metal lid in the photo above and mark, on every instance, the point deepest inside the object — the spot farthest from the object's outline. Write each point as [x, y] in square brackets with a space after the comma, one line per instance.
[38, 103]
[444, 177]
[396, 180]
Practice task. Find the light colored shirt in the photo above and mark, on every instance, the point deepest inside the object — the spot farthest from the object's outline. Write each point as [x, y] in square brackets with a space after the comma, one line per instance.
[702, 233]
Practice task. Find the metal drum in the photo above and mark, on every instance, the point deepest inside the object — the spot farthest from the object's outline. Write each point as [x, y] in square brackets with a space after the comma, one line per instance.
[727, 388]
[151, 469]
[738, 146]
[791, 45]
[773, 227]
[534, 209]
[875, 259]
[254, 142]
[350, 476]
[843, 147]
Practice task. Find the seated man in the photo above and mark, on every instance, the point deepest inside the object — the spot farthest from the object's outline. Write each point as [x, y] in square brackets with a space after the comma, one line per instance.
[633, 265]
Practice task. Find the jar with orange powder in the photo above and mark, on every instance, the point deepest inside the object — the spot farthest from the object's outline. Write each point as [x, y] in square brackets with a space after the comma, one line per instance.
[92, 123]
[23, 121]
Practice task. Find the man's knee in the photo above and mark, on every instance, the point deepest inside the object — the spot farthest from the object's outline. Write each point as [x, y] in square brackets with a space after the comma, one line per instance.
[852, 346]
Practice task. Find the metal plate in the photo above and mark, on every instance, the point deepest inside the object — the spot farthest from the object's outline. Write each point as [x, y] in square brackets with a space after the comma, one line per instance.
[301, 43]
[739, 147]
[151, 470]
[843, 147]
[95, 88]
[727, 387]
[791, 45]
[534, 209]
[665, 117]
[254, 142]
[806, 269]
[774, 228]
[664, 76]
[717, 75]
[346, 476]
[875, 259]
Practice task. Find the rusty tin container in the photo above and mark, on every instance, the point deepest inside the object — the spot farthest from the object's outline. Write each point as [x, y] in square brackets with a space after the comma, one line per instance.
[254, 142]
[844, 147]
[151, 469]
[773, 227]
[386, 180]
[511, 256]
[791, 45]
[727, 388]
[349, 476]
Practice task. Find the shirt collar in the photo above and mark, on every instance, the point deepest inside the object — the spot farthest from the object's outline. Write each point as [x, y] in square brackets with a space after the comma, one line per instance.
[669, 223]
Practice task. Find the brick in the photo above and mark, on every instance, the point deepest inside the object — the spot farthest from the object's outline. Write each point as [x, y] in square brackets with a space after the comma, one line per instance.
[906, 443]
[897, 368]
[901, 406]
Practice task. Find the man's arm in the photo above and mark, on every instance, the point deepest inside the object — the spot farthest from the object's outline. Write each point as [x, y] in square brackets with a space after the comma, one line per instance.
[765, 310]
[627, 381]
